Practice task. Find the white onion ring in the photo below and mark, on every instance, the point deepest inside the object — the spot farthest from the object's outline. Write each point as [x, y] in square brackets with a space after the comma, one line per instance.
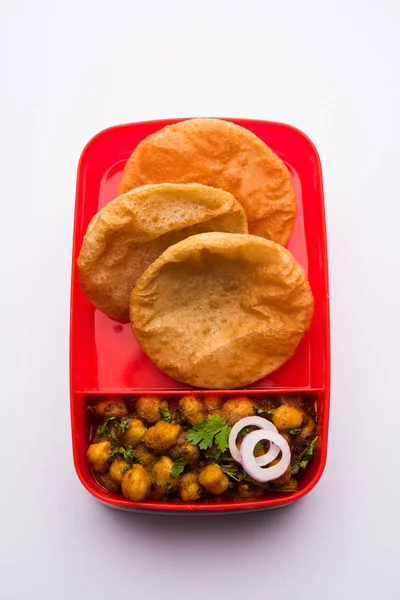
[249, 461]
[262, 423]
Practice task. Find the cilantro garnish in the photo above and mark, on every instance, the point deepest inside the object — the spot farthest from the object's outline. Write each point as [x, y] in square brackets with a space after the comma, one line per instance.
[301, 461]
[294, 431]
[234, 472]
[178, 468]
[127, 453]
[103, 429]
[165, 414]
[214, 429]
[124, 423]
[264, 413]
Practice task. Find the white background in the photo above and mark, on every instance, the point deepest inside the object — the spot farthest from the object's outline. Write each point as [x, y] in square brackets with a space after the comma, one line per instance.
[69, 69]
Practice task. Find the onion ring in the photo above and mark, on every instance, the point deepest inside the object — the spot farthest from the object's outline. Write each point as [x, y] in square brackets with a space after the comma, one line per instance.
[249, 461]
[262, 423]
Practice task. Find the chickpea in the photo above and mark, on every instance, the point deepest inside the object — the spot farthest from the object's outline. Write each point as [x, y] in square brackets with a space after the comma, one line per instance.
[148, 408]
[237, 408]
[118, 469]
[189, 487]
[98, 456]
[145, 457]
[246, 490]
[213, 479]
[184, 449]
[193, 409]
[134, 432]
[161, 437]
[287, 417]
[283, 478]
[161, 474]
[112, 407]
[213, 403]
[136, 484]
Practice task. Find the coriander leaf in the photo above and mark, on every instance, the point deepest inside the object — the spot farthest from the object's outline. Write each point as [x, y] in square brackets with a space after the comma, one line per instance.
[115, 451]
[127, 453]
[169, 488]
[295, 468]
[264, 413]
[294, 431]
[313, 447]
[195, 435]
[244, 432]
[234, 472]
[104, 428]
[301, 460]
[221, 439]
[258, 447]
[124, 423]
[165, 414]
[178, 468]
[203, 433]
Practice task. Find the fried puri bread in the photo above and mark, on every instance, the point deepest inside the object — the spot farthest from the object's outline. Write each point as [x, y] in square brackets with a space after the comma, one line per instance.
[221, 310]
[130, 232]
[224, 155]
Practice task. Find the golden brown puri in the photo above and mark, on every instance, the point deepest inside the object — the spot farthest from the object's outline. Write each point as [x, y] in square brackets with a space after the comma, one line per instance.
[221, 310]
[223, 155]
[130, 232]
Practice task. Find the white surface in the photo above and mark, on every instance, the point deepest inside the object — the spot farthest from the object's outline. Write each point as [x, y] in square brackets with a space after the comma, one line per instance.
[73, 68]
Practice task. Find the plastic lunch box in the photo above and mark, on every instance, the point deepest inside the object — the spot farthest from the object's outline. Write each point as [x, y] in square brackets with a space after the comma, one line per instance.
[105, 358]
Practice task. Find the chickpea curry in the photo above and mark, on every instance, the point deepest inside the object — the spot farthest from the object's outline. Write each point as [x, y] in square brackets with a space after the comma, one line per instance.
[183, 448]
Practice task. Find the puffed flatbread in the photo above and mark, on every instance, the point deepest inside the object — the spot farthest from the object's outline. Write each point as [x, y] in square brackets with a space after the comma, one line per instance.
[130, 232]
[224, 155]
[221, 310]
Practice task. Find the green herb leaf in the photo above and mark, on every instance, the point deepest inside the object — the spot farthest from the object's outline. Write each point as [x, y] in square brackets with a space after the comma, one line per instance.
[301, 460]
[264, 413]
[234, 472]
[244, 432]
[124, 423]
[203, 433]
[178, 468]
[130, 455]
[116, 451]
[294, 431]
[127, 453]
[221, 439]
[104, 428]
[169, 488]
[165, 415]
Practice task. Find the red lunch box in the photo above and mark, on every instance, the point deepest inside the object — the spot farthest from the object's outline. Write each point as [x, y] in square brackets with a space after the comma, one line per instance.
[105, 358]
